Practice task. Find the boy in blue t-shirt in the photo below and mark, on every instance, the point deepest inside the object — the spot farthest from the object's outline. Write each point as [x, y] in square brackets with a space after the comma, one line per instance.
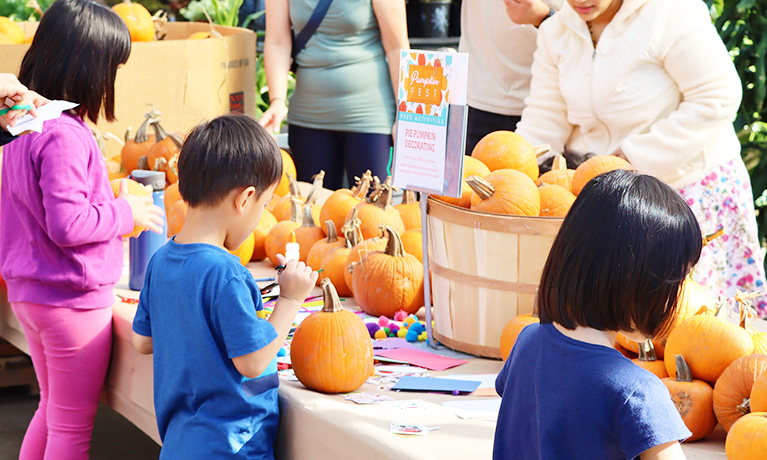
[215, 381]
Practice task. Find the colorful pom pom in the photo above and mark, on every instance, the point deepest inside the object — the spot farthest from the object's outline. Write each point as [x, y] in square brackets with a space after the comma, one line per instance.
[282, 352]
[380, 334]
[400, 315]
[422, 337]
[383, 321]
[411, 336]
[394, 328]
[372, 329]
[402, 333]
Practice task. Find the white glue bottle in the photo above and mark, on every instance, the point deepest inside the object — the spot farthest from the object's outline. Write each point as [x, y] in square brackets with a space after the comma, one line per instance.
[292, 249]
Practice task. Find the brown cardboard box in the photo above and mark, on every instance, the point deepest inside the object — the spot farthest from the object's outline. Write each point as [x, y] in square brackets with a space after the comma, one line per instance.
[186, 80]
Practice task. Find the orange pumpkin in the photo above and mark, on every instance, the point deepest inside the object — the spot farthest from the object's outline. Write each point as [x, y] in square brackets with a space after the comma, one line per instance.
[359, 251]
[171, 196]
[134, 188]
[760, 342]
[176, 217]
[747, 439]
[340, 202]
[693, 399]
[505, 191]
[259, 235]
[279, 235]
[387, 282]
[115, 169]
[281, 210]
[163, 154]
[333, 264]
[409, 210]
[555, 200]
[139, 146]
[471, 167]
[511, 332]
[137, 18]
[323, 246]
[733, 388]
[595, 166]
[308, 234]
[13, 31]
[288, 169]
[649, 361]
[507, 150]
[380, 212]
[558, 175]
[412, 241]
[759, 394]
[331, 351]
[245, 250]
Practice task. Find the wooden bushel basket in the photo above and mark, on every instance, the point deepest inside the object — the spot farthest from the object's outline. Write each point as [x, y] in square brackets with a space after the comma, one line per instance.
[485, 270]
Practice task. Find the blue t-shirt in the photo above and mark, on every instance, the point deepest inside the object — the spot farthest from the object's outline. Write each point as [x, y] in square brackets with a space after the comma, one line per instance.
[563, 398]
[199, 306]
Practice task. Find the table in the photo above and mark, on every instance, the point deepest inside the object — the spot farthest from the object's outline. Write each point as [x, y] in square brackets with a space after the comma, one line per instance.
[315, 425]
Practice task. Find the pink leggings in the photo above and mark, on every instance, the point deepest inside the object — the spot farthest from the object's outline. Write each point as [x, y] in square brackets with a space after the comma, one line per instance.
[70, 351]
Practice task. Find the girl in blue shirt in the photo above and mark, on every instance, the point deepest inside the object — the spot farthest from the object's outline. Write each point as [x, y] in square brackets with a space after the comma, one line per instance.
[616, 265]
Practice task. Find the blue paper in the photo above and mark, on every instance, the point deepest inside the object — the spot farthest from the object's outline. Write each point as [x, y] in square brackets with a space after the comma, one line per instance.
[409, 383]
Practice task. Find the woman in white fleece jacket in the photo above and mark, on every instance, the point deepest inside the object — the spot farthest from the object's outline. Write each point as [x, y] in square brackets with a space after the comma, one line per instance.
[650, 80]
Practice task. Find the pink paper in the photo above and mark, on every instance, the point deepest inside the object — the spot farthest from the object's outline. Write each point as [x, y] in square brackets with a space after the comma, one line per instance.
[421, 358]
[392, 343]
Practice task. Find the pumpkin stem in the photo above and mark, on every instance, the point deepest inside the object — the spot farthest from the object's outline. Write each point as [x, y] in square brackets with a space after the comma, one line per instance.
[332, 303]
[683, 373]
[647, 351]
[314, 193]
[541, 150]
[559, 163]
[384, 197]
[744, 407]
[293, 188]
[408, 197]
[127, 134]
[352, 235]
[375, 190]
[308, 220]
[480, 186]
[360, 190]
[394, 245]
[330, 229]
[295, 209]
[352, 225]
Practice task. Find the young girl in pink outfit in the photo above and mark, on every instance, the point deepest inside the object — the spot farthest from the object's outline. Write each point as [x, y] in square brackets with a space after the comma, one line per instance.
[61, 249]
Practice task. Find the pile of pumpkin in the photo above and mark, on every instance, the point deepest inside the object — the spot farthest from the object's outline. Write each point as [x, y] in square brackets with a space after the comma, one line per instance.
[715, 370]
[502, 176]
[12, 33]
[145, 27]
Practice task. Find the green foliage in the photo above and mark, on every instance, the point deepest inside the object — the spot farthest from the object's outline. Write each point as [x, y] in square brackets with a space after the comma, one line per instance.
[221, 12]
[24, 10]
[262, 89]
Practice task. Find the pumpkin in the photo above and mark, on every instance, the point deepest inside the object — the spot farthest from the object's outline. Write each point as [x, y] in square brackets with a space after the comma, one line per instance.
[505, 191]
[259, 235]
[282, 209]
[333, 264]
[387, 282]
[115, 169]
[331, 351]
[555, 200]
[693, 399]
[760, 342]
[649, 361]
[709, 344]
[172, 195]
[733, 388]
[323, 246]
[288, 169]
[279, 235]
[409, 210]
[137, 147]
[199, 35]
[340, 202]
[137, 18]
[176, 217]
[412, 241]
[307, 234]
[595, 166]
[624, 351]
[558, 175]
[758, 395]
[360, 250]
[507, 150]
[747, 439]
[379, 213]
[134, 188]
[13, 31]
[511, 332]
[245, 250]
[471, 167]
[163, 154]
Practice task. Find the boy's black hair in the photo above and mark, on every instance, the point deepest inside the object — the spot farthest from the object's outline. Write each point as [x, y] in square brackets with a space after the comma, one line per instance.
[620, 257]
[223, 154]
[75, 54]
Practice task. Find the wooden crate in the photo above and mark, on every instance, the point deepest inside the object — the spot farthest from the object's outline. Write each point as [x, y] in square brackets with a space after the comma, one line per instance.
[485, 270]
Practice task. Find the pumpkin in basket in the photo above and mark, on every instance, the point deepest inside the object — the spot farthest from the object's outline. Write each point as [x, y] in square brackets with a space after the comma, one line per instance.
[595, 166]
[331, 351]
[747, 439]
[693, 399]
[733, 388]
[505, 191]
[507, 150]
[558, 174]
[340, 202]
[555, 200]
[138, 19]
[134, 188]
[758, 398]
[471, 167]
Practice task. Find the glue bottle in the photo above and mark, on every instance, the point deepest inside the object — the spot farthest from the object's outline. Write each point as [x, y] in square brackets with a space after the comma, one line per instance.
[142, 247]
[292, 249]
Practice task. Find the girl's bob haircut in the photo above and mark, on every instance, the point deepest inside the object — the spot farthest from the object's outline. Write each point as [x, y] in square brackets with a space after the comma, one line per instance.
[75, 54]
[620, 257]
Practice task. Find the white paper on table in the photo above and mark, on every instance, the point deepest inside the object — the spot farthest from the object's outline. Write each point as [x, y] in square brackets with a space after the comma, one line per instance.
[398, 369]
[49, 111]
[475, 408]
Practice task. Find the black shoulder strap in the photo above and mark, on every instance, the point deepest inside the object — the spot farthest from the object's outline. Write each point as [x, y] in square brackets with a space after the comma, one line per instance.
[299, 42]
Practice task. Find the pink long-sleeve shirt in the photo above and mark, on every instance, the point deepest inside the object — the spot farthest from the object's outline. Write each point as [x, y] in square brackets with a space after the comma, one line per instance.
[60, 224]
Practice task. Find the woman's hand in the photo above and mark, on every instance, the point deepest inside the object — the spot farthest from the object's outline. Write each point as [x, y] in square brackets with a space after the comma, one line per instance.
[271, 120]
[527, 11]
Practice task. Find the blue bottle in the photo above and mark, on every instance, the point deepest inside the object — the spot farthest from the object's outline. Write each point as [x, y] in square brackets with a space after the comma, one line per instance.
[142, 247]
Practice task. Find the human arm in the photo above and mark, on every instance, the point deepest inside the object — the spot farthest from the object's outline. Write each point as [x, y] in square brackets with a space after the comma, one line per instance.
[668, 451]
[532, 12]
[142, 343]
[392, 22]
[145, 212]
[296, 282]
[277, 50]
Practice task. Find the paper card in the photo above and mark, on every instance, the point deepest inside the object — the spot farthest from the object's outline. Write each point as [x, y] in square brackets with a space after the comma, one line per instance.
[367, 398]
[420, 358]
[475, 408]
[49, 111]
[413, 430]
[486, 388]
[395, 369]
[409, 383]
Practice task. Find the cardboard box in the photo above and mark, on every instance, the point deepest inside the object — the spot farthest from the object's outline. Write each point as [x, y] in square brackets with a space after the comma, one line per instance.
[187, 80]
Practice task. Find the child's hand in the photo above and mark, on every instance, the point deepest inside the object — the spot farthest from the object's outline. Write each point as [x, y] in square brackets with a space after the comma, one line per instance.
[145, 212]
[297, 280]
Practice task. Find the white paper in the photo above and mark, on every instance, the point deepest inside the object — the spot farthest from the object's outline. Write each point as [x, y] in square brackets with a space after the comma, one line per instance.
[397, 369]
[475, 408]
[488, 380]
[49, 111]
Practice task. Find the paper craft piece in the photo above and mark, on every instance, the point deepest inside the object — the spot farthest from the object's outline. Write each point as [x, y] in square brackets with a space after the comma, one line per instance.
[396, 369]
[420, 358]
[367, 398]
[409, 383]
[413, 430]
[486, 388]
[49, 111]
[393, 344]
[475, 408]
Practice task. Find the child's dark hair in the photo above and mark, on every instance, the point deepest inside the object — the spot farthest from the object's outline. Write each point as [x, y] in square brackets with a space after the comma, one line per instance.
[223, 154]
[75, 54]
[620, 257]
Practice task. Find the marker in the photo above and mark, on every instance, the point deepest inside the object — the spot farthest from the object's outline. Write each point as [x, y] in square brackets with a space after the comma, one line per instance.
[261, 280]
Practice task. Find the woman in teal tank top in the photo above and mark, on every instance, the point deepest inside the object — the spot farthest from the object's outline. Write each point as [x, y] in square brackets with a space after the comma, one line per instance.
[343, 107]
